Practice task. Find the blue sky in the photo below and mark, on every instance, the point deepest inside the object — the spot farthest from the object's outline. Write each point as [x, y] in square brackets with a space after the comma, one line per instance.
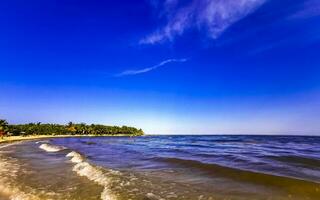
[169, 67]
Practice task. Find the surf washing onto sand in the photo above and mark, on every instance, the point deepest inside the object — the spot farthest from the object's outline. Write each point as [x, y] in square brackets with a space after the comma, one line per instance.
[162, 167]
[93, 173]
[85, 169]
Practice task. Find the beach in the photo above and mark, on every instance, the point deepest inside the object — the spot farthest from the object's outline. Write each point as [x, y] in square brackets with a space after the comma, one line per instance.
[160, 100]
[22, 138]
[8, 139]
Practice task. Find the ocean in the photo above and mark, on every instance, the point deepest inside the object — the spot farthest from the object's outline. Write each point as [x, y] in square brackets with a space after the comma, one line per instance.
[162, 167]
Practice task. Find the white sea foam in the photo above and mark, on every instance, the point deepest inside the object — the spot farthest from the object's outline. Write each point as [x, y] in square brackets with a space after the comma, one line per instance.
[107, 194]
[51, 148]
[85, 169]
[42, 141]
[94, 174]
[9, 167]
[75, 157]
[152, 196]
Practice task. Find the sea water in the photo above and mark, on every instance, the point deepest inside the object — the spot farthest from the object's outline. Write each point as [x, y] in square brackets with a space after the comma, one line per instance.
[162, 167]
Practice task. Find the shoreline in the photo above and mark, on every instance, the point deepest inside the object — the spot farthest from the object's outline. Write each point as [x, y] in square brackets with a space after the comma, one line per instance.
[9, 139]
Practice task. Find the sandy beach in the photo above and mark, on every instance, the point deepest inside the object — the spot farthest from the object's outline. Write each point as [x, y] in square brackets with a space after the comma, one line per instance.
[35, 137]
[21, 138]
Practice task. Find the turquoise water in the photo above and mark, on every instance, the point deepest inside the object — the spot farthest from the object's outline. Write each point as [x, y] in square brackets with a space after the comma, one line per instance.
[163, 167]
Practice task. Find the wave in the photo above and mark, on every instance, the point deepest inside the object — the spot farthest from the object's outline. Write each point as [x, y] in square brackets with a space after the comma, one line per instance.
[93, 173]
[51, 148]
[306, 161]
[42, 141]
[8, 145]
[291, 184]
[83, 168]
[75, 157]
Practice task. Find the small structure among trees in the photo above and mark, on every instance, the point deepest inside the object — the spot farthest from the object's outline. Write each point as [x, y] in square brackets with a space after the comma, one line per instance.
[3, 128]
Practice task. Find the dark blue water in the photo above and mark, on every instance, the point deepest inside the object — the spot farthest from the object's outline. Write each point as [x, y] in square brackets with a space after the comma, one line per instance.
[292, 156]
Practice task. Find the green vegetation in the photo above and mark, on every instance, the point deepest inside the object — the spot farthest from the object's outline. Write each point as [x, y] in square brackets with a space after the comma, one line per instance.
[68, 129]
[3, 127]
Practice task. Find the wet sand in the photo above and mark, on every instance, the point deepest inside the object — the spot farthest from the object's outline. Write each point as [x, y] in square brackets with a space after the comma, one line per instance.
[4, 196]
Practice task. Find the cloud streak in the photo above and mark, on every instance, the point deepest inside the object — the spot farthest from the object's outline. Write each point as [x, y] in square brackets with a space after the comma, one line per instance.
[212, 16]
[148, 69]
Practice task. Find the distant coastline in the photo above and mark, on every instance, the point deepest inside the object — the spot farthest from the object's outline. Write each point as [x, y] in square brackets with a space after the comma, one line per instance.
[30, 131]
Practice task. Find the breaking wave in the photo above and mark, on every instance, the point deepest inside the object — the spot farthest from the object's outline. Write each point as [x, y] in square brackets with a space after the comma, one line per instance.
[75, 157]
[83, 168]
[97, 175]
[51, 148]
[42, 141]
[93, 173]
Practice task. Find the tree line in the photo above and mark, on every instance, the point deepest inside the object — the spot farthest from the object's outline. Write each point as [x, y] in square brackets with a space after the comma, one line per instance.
[66, 129]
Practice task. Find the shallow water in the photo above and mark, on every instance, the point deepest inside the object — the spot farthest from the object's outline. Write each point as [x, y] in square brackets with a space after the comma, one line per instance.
[162, 167]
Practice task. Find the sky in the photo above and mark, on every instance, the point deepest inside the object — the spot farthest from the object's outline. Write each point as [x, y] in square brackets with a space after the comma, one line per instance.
[168, 67]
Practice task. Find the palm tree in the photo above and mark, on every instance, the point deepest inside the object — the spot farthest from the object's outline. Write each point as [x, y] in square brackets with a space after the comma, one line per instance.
[70, 124]
[71, 127]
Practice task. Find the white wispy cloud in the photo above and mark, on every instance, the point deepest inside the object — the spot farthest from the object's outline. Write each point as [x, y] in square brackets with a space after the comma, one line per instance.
[148, 69]
[212, 16]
